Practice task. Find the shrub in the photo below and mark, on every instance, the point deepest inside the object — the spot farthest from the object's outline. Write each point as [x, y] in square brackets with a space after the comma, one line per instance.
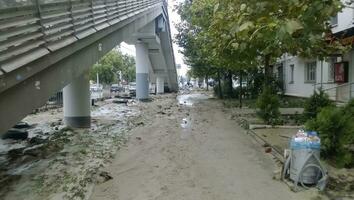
[329, 124]
[315, 103]
[336, 129]
[292, 102]
[268, 105]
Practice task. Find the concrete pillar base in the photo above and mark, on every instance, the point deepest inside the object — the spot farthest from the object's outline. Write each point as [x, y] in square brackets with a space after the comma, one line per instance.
[143, 65]
[77, 109]
[160, 85]
[142, 86]
[78, 122]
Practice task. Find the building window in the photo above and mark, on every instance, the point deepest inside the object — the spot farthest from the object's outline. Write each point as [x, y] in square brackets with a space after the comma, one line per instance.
[331, 63]
[310, 72]
[334, 20]
[291, 74]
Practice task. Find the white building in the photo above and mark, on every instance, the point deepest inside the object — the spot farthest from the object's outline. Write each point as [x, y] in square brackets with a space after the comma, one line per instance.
[335, 75]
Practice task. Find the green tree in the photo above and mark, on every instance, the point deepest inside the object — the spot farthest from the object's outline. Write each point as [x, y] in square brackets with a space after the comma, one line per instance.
[268, 105]
[128, 69]
[113, 66]
[105, 73]
[255, 31]
[315, 103]
[195, 44]
[242, 35]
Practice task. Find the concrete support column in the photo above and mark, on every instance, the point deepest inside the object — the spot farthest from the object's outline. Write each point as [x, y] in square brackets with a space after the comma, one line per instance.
[160, 84]
[142, 71]
[76, 98]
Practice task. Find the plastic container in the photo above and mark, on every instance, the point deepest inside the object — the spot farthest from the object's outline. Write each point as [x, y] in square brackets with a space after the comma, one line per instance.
[302, 145]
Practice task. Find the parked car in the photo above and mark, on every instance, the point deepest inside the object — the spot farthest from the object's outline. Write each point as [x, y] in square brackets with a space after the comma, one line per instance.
[116, 88]
[96, 88]
[132, 89]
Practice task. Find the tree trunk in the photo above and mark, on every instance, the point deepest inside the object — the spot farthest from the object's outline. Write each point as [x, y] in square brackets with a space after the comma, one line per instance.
[267, 72]
[229, 79]
[207, 84]
[219, 83]
[241, 89]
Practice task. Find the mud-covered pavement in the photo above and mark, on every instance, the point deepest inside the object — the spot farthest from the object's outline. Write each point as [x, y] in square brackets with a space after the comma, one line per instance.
[191, 150]
[60, 163]
[176, 147]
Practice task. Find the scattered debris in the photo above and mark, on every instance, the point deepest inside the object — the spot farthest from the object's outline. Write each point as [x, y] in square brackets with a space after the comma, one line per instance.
[268, 149]
[37, 140]
[22, 125]
[15, 134]
[161, 113]
[104, 177]
[120, 101]
[266, 145]
[140, 123]
[56, 160]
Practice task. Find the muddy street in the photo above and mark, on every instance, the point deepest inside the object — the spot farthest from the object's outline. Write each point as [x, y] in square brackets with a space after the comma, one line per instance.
[173, 147]
[191, 150]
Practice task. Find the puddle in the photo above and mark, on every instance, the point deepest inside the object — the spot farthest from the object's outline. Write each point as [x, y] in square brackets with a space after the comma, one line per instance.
[191, 99]
[185, 123]
[186, 128]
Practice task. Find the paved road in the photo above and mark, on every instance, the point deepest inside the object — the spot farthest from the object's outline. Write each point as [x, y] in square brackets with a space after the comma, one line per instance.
[192, 152]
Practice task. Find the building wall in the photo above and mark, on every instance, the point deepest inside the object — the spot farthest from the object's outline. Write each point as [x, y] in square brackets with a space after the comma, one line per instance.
[299, 87]
[302, 89]
[345, 19]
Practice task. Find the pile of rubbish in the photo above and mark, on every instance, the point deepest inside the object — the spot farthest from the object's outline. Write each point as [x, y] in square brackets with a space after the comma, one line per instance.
[303, 164]
[305, 140]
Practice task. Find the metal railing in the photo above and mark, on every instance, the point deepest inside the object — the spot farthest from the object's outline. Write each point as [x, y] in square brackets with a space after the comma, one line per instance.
[33, 28]
[341, 93]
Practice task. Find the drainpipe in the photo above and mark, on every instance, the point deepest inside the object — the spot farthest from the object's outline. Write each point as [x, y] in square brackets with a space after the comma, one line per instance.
[321, 74]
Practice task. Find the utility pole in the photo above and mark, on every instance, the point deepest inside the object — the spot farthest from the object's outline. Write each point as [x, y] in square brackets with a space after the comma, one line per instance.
[97, 80]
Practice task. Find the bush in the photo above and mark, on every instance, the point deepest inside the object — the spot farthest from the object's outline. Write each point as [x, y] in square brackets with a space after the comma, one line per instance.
[336, 129]
[292, 102]
[268, 105]
[329, 124]
[315, 103]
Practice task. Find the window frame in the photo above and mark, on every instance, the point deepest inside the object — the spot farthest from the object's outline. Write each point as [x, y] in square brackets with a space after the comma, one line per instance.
[331, 70]
[292, 70]
[308, 73]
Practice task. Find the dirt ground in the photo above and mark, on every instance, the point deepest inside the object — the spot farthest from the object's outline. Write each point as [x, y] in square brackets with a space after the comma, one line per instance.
[60, 163]
[190, 149]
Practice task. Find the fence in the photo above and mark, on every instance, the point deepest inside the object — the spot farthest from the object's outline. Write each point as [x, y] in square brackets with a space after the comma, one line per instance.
[341, 93]
[56, 101]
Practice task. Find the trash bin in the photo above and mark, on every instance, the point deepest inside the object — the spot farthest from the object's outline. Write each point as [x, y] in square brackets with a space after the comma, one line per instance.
[303, 146]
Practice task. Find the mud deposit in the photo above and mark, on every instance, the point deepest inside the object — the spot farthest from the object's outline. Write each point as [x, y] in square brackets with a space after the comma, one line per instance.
[191, 150]
[56, 162]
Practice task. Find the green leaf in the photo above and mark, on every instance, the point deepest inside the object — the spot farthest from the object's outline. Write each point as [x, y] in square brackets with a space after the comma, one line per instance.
[234, 29]
[293, 25]
[235, 45]
[243, 7]
[272, 24]
[246, 25]
[216, 7]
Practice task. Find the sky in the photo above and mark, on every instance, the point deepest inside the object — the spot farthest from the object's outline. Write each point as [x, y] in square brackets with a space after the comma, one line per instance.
[174, 19]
